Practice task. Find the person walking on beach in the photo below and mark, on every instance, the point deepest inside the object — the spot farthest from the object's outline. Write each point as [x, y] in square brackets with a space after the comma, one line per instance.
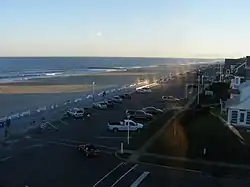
[6, 128]
[103, 94]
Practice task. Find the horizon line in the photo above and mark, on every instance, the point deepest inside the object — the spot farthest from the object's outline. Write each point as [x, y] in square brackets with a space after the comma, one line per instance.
[76, 56]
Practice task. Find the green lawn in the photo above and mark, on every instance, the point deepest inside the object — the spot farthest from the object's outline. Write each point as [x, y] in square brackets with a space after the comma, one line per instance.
[206, 168]
[189, 136]
[140, 138]
[245, 135]
[216, 110]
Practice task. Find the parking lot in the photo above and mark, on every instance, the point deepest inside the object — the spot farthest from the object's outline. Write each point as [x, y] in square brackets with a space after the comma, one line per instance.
[50, 158]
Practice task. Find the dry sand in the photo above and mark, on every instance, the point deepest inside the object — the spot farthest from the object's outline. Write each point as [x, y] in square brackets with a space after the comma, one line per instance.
[25, 89]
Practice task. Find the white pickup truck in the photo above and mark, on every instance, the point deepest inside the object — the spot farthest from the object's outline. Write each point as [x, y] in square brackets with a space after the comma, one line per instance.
[124, 125]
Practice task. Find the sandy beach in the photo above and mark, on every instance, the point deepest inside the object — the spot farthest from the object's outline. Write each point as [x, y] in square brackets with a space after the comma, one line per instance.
[30, 94]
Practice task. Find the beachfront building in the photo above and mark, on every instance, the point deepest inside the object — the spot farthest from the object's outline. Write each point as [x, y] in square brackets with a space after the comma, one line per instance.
[233, 66]
[247, 68]
[239, 106]
[237, 76]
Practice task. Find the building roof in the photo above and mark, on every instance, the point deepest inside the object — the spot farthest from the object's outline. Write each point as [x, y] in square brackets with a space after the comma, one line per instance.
[236, 63]
[248, 60]
[231, 61]
[244, 85]
[242, 105]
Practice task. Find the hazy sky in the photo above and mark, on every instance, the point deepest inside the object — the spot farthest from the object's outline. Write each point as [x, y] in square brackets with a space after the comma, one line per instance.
[164, 28]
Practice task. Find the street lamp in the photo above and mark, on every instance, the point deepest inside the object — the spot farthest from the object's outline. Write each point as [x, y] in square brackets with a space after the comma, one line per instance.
[198, 97]
[93, 91]
[128, 133]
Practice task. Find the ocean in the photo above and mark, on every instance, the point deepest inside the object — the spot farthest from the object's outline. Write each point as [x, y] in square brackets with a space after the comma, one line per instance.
[24, 68]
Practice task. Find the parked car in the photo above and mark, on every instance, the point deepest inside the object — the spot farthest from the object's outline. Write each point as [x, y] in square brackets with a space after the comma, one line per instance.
[152, 110]
[163, 81]
[89, 150]
[138, 115]
[77, 113]
[117, 99]
[125, 96]
[144, 90]
[125, 125]
[110, 103]
[100, 105]
[169, 98]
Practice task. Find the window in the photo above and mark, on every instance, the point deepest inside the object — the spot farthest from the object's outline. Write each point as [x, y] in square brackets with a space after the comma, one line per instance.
[237, 81]
[242, 80]
[132, 124]
[234, 117]
[248, 118]
[242, 117]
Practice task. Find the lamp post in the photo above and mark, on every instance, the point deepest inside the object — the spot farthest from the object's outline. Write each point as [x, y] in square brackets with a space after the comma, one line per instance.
[198, 97]
[128, 133]
[220, 73]
[93, 90]
[186, 91]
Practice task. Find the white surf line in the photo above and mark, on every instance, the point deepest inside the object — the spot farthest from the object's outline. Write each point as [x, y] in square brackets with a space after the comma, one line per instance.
[105, 176]
[140, 179]
[118, 180]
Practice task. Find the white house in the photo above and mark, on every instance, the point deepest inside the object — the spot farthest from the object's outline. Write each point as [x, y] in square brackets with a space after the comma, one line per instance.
[236, 82]
[239, 109]
[239, 115]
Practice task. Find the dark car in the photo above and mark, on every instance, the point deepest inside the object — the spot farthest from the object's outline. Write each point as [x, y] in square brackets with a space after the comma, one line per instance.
[110, 103]
[125, 96]
[89, 150]
[152, 110]
[138, 115]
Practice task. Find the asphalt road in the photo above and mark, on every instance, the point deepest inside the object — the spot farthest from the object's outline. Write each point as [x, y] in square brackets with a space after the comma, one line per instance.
[51, 158]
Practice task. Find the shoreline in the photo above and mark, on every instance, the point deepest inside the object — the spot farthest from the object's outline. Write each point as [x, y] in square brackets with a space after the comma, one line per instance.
[144, 71]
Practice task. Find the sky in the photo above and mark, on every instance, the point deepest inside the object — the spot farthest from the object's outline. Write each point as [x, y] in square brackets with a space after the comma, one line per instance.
[143, 28]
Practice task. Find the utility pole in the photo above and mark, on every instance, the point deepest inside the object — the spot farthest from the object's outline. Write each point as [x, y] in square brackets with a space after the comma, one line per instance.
[128, 132]
[198, 97]
[93, 90]
[220, 73]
